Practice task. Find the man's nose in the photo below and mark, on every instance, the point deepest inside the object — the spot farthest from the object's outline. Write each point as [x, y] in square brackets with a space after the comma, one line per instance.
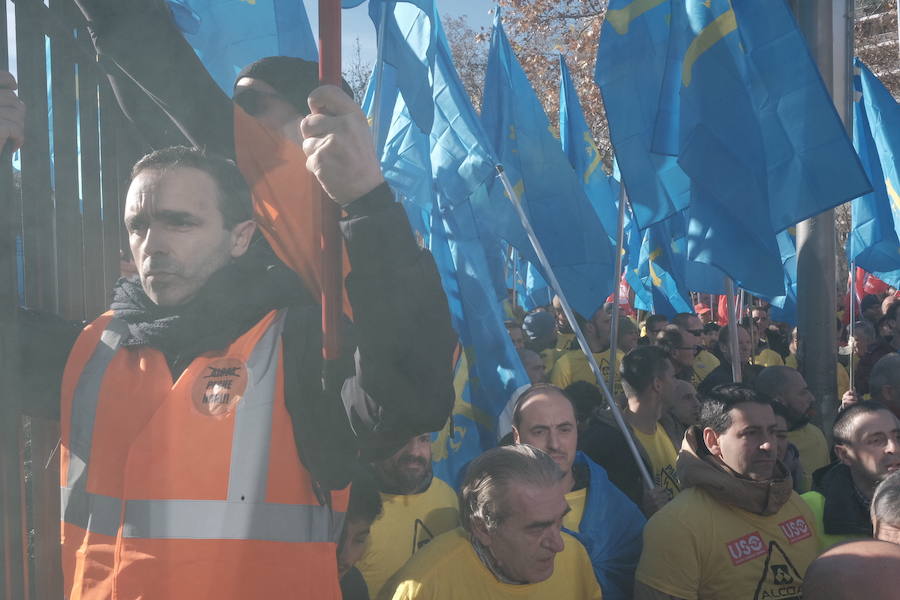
[154, 242]
[553, 540]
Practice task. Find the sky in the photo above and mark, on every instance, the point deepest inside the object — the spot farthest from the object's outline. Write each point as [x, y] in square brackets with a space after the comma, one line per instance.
[355, 23]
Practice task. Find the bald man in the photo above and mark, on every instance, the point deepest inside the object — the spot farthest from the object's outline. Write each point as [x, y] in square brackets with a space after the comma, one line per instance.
[867, 569]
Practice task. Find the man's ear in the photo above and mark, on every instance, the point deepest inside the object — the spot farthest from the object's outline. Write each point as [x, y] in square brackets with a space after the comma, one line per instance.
[516, 436]
[843, 454]
[241, 234]
[481, 532]
[711, 439]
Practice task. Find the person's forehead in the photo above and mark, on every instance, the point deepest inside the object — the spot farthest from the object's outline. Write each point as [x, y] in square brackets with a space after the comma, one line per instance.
[751, 414]
[546, 407]
[529, 503]
[866, 424]
[182, 189]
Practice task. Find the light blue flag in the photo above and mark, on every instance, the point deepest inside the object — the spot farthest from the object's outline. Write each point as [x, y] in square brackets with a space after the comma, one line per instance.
[409, 45]
[575, 242]
[228, 35]
[747, 114]
[662, 268]
[784, 308]
[488, 369]
[631, 60]
[578, 144]
[454, 165]
[874, 241]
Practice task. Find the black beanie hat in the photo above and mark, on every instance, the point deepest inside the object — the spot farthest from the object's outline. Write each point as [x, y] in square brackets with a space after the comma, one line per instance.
[293, 78]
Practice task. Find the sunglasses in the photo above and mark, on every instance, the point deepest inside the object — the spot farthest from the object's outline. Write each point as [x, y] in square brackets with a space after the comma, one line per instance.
[255, 102]
[696, 332]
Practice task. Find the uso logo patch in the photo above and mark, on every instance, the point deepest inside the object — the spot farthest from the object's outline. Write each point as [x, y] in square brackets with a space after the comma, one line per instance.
[795, 529]
[746, 548]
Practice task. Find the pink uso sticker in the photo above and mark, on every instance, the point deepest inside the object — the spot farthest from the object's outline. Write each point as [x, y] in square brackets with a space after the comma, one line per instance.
[795, 529]
[746, 548]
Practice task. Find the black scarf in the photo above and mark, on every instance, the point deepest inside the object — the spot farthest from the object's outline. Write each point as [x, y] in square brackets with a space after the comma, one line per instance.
[234, 299]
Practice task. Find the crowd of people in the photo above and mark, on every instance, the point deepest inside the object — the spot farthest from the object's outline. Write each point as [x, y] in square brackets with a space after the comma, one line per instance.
[208, 451]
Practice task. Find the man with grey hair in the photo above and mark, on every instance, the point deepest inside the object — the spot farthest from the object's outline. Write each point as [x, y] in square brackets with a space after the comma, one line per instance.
[884, 382]
[512, 504]
[885, 509]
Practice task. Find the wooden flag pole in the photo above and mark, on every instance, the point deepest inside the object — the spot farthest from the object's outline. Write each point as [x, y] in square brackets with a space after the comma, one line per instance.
[332, 275]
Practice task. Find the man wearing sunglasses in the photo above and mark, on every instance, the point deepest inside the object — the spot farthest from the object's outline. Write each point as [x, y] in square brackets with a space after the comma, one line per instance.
[704, 362]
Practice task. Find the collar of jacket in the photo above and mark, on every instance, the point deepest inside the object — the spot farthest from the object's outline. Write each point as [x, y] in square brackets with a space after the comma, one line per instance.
[234, 299]
[696, 467]
[846, 511]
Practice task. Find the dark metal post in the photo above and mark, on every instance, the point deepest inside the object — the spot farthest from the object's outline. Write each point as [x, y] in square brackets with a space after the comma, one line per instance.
[828, 30]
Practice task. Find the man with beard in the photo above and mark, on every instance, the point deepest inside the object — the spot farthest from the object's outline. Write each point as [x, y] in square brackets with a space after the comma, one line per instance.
[788, 387]
[867, 444]
[416, 508]
[737, 529]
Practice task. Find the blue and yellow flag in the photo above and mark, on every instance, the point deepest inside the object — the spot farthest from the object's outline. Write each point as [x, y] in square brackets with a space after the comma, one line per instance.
[441, 177]
[784, 308]
[661, 268]
[745, 111]
[874, 242]
[573, 238]
[227, 35]
[631, 60]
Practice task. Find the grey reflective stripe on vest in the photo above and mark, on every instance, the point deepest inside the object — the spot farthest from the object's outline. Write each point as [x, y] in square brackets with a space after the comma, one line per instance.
[249, 469]
[244, 515]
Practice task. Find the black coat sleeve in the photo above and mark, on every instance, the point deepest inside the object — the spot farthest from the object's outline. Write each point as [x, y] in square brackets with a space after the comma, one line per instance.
[402, 384]
[44, 342]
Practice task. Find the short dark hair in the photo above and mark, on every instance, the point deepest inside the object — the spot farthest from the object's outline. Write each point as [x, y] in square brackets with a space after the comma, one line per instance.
[711, 327]
[365, 499]
[585, 397]
[641, 366]
[715, 412]
[842, 429]
[653, 320]
[534, 390]
[681, 319]
[670, 338]
[235, 202]
[760, 307]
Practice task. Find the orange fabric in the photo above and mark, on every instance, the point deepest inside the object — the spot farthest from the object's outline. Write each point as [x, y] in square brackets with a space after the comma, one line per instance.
[285, 199]
[151, 441]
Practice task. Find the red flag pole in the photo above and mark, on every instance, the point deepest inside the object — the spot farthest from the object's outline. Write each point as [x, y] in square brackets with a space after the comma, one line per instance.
[332, 276]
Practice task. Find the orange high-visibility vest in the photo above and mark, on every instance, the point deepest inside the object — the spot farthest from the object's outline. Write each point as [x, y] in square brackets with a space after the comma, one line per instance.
[193, 489]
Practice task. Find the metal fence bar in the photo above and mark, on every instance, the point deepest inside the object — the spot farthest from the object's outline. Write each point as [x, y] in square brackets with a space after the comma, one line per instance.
[65, 172]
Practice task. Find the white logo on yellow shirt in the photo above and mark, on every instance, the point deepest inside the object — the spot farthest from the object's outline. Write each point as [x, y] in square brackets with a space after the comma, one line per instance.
[779, 580]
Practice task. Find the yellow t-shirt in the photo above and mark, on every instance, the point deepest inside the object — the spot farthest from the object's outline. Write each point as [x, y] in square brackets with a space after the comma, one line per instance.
[564, 340]
[704, 364]
[663, 455]
[449, 569]
[698, 548]
[576, 500]
[574, 366]
[407, 523]
[768, 358]
[813, 447]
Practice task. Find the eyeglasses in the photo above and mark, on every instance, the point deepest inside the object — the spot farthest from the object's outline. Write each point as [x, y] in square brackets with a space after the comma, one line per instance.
[696, 332]
[254, 102]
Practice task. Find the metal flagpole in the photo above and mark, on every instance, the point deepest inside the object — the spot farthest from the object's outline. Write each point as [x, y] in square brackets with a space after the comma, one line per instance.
[332, 246]
[379, 76]
[579, 335]
[733, 342]
[852, 311]
[614, 326]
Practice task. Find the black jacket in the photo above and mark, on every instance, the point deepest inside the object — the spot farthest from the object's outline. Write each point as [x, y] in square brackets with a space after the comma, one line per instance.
[393, 381]
[846, 512]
